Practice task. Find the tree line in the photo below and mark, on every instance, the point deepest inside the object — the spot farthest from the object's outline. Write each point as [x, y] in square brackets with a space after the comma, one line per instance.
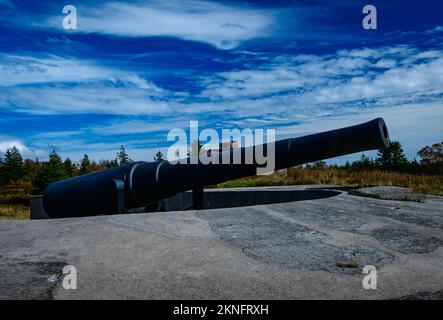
[13, 169]
[394, 159]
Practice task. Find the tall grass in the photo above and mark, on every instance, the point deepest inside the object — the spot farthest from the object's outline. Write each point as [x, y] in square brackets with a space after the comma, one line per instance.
[14, 211]
[14, 200]
[429, 184]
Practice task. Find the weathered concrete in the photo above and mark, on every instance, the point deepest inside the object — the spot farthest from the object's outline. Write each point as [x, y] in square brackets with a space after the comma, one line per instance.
[389, 193]
[305, 249]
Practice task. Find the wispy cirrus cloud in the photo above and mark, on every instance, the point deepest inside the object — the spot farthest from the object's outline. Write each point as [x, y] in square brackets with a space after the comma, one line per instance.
[221, 25]
[40, 69]
[52, 84]
[304, 85]
[396, 72]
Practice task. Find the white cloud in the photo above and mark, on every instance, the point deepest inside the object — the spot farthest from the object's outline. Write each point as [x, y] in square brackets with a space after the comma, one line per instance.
[6, 144]
[217, 24]
[347, 76]
[302, 89]
[397, 81]
[23, 70]
[414, 125]
[83, 98]
[26, 152]
[52, 85]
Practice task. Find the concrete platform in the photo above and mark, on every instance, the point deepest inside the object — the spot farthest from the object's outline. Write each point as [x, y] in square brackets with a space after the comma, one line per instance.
[294, 250]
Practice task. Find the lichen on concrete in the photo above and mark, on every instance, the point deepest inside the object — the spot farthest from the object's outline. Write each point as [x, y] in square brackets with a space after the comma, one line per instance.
[389, 193]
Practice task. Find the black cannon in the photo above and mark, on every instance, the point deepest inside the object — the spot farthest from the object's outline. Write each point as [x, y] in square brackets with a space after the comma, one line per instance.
[143, 183]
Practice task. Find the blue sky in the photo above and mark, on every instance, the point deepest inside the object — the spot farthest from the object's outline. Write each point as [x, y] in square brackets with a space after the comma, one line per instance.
[133, 70]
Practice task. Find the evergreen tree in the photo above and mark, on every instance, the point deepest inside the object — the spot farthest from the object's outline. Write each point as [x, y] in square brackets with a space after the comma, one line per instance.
[123, 157]
[113, 163]
[392, 158]
[12, 167]
[365, 163]
[413, 167]
[158, 156]
[70, 168]
[85, 165]
[195, 148]
[319, 165]
[2, 170]
[51, 171]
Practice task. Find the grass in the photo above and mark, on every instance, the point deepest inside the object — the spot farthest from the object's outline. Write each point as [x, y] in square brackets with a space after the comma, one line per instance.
[14, 211]
[14, 201]
[427, 184]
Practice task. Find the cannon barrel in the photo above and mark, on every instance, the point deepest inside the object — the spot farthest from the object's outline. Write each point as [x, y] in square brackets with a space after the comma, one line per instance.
[142, 183]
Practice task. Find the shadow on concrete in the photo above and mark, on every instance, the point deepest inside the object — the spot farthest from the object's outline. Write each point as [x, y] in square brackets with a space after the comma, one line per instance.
[216, 199]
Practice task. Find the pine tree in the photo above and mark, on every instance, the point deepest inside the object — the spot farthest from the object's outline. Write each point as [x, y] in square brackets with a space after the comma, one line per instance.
[399, 161]
[195, 148]
[364, 163]
[158, 156]
[123, 157]
[70, 168]
[392, 158]
[12, 168]
[85, 165]
[319, 165]
[113, 163]
[51, 171]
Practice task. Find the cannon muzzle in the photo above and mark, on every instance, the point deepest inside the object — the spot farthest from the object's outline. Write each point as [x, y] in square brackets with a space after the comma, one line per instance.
[143, 183]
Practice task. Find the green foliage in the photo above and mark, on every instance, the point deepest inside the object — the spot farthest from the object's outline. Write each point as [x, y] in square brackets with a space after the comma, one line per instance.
[195, 148]
[85, 165]
[12, 168]
[31, 168]
[158, 156]
[51, 171]
[319, 165]
[70, 168]
[112, 164]
[392, 158]
[364, 163]
[123, 157]
[432, 158]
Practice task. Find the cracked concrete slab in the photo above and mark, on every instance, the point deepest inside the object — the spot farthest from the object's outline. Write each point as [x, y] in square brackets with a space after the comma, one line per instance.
[304, 249]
